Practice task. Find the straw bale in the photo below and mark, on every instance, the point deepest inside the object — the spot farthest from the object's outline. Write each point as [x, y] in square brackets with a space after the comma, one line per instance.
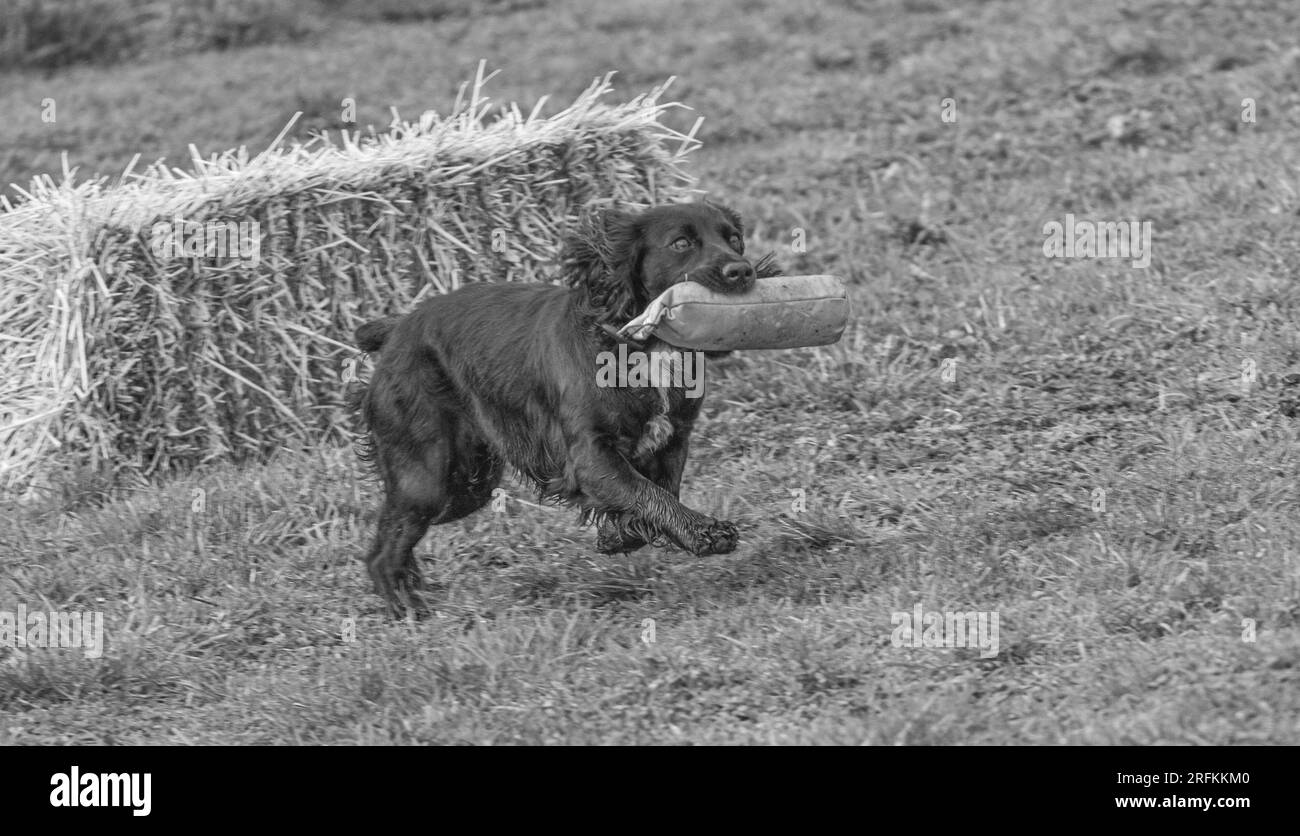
[123, 350]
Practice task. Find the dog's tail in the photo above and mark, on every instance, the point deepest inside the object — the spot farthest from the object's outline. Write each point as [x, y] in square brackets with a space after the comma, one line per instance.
[371, 336]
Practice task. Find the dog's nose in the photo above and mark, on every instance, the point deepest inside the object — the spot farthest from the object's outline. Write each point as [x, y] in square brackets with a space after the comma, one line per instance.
[738, 273]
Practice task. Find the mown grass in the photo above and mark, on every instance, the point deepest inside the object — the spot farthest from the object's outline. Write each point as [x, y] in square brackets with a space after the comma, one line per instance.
[52, 34]
[1076, 380]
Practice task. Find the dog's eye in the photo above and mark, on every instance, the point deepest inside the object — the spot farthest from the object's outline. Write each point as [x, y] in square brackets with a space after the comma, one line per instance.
[681, 245]
[737, 244]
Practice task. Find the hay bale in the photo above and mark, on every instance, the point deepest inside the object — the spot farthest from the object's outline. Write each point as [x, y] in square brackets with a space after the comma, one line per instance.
[126, 343]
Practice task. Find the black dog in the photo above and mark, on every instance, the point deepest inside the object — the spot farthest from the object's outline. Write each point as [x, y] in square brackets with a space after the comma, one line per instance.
[507, 373]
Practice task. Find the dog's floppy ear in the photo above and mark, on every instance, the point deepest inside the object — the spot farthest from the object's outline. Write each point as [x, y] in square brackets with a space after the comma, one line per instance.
[602, 258]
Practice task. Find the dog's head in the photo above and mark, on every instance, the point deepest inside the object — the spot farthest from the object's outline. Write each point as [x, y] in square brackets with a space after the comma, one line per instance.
[621, 260]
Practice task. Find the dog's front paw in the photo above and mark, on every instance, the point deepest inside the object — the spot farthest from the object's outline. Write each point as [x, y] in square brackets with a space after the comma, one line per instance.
[720, 537]
[612, 539]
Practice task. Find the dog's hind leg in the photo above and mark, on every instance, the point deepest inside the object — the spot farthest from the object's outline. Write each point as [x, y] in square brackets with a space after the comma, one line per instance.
[391, 561]
[415, 494]
[435, 483]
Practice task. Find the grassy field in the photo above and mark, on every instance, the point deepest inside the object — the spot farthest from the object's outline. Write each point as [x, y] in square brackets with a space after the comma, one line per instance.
[1107, 460]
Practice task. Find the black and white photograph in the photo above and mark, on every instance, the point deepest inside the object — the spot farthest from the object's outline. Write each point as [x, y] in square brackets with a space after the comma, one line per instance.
[573, 373]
